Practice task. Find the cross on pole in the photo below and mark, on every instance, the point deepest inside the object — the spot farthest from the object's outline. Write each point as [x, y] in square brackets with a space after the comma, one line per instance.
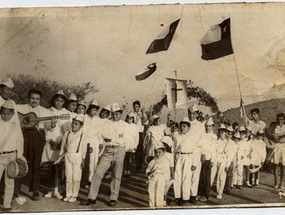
[175, 89]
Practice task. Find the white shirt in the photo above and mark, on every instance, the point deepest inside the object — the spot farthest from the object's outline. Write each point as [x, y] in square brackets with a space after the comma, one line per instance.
[156, 133]
[226, 151]
[70, 143]
[278, 131]
[115, 131]
[209, 144]
[139, 122]
[161, 165]
[256, 126]
[14, 140]
[39, 111]
[132, 135]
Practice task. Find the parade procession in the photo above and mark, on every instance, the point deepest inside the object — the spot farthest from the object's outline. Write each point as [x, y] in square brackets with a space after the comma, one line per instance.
[143, 138]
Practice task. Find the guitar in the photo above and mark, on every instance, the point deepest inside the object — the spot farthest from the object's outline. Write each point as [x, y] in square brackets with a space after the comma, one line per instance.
[30, 119]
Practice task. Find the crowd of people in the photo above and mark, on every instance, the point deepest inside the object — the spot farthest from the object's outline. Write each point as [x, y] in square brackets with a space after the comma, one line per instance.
[81, 148]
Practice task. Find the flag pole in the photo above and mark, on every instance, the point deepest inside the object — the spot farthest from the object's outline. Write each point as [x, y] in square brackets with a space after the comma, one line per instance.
[174, 117]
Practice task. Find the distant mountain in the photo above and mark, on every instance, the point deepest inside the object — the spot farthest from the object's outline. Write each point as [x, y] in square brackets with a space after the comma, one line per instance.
[268, 108]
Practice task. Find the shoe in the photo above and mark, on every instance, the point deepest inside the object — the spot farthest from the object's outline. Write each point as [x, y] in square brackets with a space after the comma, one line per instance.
[72, 199]
[5, 209]
[48, 194]
[227, 191]
[108, 176]
[219, 196]
[88, 202]
[247, 184]
[193, 200]
[203, 199]
[113, 203]
[238, 187]
[57, 195]
[281, 187]
[66, 199]
[36, 196]
[178, 202]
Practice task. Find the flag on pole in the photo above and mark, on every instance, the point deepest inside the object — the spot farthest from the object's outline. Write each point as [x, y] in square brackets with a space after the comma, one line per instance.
[148, 72]
[176, 92]
[217, 41]
[163, 40]
[243, 113]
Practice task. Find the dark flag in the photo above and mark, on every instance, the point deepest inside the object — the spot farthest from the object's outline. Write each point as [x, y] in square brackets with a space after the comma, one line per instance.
[164, 39]
[149, 71]
[217, 41]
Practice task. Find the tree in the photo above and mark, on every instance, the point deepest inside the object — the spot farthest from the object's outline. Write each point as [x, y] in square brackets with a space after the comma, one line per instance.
[24, 83]
[203, 97]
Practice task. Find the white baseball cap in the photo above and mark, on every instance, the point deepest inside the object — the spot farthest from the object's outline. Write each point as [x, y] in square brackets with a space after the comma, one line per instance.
[7, 82]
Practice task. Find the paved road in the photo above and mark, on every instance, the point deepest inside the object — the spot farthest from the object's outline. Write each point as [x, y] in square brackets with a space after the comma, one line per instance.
[133, 194]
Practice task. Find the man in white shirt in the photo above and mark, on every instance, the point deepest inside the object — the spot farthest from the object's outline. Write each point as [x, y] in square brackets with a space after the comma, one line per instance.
[197, 129]
[140, 119]
[34, 140]
[114, 136]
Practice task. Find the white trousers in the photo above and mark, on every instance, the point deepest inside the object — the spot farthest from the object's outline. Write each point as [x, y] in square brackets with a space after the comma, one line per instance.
[9, 182]
[183, 176]
[73, 173]
[195, 180]
[94, 157]
[156, 189]
[238, 175]
[221, 178]
[213, 173]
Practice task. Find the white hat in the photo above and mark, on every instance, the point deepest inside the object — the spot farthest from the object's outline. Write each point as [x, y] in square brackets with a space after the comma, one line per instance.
[82, 102]
[230, 129]
[116, 107]
[242, 128]
[209, 121]
[94, 103]
[154, 117]
[7, 82]
[60, 93]
[237, 135]
[193, 108]
[186, 119]
[107, 107]
[131, 114]
[72, 97]
[167, 140]
[79, 117]
[222, 127]
[159, 145]
[9, 104]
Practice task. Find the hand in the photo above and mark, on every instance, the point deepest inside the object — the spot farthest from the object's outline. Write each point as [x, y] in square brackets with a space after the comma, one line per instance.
[193, 168]
[226, 169]
[90, 150]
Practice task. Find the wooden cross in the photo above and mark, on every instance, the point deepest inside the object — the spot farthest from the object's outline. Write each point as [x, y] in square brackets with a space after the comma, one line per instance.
[175, 89]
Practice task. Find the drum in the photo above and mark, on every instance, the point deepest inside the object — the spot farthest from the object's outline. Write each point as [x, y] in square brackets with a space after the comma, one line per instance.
[17, 168]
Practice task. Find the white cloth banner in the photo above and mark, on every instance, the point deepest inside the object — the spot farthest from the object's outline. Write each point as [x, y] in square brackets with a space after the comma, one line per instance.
[179, 92]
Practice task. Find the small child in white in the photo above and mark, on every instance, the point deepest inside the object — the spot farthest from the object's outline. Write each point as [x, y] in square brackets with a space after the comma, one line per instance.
[258, 155]
[73, 148]
[159, 171]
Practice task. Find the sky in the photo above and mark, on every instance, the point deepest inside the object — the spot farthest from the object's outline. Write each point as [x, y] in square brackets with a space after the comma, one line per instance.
[107, 46]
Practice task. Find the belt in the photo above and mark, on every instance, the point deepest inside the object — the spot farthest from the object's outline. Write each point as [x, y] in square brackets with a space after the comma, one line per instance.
[33, 129]
[184, 153]
[8, 152]
[113, 146]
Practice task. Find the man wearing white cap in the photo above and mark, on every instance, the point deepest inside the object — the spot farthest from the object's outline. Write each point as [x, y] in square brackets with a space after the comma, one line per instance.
[11, 147]
[73, 147]
[114, 135]
[141, 121]
[34, 140]
[6, 85]
[187, 160]
[209, 144]
[197, 129]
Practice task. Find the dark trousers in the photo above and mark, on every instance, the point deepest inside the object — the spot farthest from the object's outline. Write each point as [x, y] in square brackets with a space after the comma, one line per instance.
[139, 152]
[205, 179]
[34, 141]
[229, 177]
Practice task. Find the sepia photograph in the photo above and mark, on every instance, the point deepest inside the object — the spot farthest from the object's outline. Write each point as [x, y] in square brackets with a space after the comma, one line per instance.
[142, 107]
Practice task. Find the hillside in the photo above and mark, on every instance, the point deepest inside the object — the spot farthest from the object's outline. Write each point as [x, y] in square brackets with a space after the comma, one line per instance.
[268, 108]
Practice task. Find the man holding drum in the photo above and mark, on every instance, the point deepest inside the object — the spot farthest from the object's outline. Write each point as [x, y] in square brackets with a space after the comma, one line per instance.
[11, 146]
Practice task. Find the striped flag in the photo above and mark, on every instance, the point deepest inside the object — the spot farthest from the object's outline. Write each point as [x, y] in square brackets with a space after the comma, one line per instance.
[148, 72]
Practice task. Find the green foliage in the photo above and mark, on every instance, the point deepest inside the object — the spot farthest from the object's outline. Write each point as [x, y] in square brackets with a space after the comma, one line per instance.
[203, 97]
[24, 83]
